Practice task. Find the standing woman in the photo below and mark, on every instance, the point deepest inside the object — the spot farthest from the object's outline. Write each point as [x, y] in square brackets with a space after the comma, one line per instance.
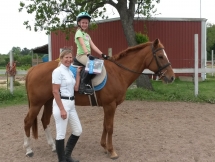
[64, 112]
[84, 44]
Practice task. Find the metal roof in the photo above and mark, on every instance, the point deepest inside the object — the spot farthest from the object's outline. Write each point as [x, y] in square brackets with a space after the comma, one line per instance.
[42, 49]
[154, 19]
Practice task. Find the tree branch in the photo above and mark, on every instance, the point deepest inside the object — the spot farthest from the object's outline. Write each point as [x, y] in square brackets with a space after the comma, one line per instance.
[112, 3]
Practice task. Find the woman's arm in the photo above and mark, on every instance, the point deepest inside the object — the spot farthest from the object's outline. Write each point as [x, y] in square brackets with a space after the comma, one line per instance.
[55, 91]
[78, 77]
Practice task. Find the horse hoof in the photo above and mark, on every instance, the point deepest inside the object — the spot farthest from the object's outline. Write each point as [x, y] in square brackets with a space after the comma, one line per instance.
[115, 157]
[54, 149]
[30, 154]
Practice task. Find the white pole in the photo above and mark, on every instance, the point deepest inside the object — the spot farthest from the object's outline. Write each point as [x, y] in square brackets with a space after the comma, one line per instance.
[196, 64]
[50, 47]
[212, 61]
[11, 77]
[110, 52]
[200, 9]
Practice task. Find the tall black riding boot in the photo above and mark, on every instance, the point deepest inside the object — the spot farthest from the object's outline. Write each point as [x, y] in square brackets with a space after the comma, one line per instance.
[60, 150]
[69, 148]
[85, 87]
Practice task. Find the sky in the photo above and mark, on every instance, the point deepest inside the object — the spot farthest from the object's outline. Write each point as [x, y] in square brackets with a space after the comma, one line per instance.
[14, 34]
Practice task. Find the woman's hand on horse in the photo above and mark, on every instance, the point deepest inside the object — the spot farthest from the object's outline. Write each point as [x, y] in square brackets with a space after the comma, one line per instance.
[79, 68]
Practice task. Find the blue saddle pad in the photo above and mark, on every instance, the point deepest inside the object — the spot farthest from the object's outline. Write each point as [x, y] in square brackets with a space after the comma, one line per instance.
[96, 88]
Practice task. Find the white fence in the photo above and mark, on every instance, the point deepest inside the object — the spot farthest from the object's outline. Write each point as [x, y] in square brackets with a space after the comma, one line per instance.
[19, 72]
[146, 71]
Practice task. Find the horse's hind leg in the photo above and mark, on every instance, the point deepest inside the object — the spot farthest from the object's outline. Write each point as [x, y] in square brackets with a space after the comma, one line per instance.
[47, 112]
[30, 121]
[109, 112]
[26, 144]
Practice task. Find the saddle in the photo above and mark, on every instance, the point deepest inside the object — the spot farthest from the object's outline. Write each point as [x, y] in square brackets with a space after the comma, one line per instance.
[83, 73]
[86, 78]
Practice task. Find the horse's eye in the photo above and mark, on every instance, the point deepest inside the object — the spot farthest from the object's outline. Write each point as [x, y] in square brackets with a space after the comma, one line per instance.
[161, 57]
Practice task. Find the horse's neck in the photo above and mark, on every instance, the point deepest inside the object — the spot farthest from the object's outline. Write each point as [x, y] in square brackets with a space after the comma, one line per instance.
[135, 62]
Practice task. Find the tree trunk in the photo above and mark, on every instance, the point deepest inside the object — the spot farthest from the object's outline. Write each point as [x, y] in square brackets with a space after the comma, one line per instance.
[144, 82]
[127, 17]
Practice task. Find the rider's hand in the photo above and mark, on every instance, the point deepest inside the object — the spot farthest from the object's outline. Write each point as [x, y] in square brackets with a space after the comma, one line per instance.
[106, 57]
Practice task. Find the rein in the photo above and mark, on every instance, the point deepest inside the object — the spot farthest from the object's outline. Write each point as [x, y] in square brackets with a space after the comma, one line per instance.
[159, 72]
[125, 67]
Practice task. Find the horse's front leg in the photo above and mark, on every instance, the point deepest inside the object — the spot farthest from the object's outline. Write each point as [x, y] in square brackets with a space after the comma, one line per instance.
[104, 137]
[109, 112]
[47, 112]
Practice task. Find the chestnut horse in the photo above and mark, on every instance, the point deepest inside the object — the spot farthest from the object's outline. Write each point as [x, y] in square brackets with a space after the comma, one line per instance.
[122, 70]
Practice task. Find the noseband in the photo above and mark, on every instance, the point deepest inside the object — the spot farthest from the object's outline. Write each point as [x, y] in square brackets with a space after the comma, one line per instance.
[160, 68]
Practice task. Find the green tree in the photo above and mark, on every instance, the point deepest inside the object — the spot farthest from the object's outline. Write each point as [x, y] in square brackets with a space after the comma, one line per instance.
[16, 50]
[210, 40]
[22, 57]
[25, 51]
[48, 14]
[3, 62]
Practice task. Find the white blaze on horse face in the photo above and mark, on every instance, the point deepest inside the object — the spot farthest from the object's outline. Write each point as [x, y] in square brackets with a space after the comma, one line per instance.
[165, 55]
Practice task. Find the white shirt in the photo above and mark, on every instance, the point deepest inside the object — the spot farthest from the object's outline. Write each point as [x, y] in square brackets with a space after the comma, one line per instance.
[62, 75]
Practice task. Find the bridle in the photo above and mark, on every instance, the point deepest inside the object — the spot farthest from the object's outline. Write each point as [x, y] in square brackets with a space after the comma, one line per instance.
[160, 68]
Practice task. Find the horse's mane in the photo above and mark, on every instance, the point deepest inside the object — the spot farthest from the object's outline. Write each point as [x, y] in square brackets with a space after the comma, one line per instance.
[129, 49]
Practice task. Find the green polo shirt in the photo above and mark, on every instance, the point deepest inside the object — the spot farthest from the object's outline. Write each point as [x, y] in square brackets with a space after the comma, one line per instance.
[86, 39]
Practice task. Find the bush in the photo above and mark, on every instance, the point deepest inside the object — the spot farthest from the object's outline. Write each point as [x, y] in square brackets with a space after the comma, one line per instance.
[141, 38]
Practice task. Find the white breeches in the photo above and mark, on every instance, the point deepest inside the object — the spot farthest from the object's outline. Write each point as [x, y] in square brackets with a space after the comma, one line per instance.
[72, 118]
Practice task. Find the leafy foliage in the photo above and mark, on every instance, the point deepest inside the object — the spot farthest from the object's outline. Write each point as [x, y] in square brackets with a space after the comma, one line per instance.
[210, 40]
[61, 15]
[22, 57]
[141, 38]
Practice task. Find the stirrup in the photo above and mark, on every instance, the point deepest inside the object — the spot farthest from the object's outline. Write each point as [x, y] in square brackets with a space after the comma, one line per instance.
[88, 89]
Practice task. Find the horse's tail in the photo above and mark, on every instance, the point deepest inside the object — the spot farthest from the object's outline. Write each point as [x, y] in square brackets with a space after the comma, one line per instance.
[34, 125]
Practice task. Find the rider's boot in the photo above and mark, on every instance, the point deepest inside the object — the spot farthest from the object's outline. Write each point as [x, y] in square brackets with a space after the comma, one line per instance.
[60, 150]
[85, 87]
[69, 148]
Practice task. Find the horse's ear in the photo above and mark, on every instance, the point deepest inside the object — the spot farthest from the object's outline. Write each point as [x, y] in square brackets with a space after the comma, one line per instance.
[156, 43]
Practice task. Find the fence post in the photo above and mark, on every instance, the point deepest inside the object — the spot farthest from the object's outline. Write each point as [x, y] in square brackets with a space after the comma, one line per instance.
[110, 52]
[196, 64]
[11, 76]
[212, 61]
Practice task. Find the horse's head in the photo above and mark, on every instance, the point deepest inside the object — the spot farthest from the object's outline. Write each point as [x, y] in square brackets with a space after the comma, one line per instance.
[159, 63]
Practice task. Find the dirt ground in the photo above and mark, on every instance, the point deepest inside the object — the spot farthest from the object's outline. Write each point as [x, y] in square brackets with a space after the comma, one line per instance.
[143, 132]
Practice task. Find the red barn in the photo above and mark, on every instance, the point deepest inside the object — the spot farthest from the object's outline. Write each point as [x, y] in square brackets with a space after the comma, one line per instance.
[176, 34]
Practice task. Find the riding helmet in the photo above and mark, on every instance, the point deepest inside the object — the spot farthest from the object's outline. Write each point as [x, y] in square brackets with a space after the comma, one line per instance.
[83, 15]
